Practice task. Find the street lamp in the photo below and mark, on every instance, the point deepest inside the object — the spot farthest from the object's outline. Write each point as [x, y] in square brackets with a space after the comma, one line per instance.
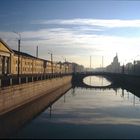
[65, 63]
[19, 39]
[90, 63]
[51, 62]
[37, 51]
[102, 63]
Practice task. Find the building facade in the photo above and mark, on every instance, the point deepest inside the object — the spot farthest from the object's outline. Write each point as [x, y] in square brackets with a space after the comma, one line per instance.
[16, 63]
[5, 58]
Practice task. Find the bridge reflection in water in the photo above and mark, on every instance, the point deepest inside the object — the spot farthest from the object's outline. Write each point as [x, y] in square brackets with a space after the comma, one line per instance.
[116, 81]
[14, 121]
[94, 82]
[103, 82]
[89, 113]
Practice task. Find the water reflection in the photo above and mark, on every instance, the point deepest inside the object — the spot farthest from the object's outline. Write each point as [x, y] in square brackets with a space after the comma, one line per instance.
[131, 97]
[13, 121]
[50, 107]
[96, 81]
[89, 114]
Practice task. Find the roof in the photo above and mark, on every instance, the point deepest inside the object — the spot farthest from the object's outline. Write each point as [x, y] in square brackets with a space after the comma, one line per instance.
[23, 54]
[5, 45]
[28, 55]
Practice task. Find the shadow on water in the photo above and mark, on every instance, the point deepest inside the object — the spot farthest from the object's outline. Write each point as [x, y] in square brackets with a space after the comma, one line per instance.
[115, 85]
[11, 122]
[96, 131]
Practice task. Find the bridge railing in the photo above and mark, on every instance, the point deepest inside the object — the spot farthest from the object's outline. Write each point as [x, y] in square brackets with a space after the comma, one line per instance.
[108, 73]
[16, 80]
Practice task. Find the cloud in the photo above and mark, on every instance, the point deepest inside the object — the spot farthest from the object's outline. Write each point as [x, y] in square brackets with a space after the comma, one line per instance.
[109, 23]
[78, 42]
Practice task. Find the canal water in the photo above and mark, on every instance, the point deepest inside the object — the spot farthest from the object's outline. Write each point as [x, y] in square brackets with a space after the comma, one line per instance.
[88, 113]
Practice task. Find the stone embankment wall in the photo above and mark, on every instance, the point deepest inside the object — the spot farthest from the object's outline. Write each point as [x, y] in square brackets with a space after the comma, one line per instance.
[15, 96]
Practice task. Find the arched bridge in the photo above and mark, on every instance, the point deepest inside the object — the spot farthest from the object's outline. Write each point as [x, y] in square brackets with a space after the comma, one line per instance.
[78, 80]
[117, 79]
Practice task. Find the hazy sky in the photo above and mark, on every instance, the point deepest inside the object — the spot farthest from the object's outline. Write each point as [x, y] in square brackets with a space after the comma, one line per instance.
[74, 29]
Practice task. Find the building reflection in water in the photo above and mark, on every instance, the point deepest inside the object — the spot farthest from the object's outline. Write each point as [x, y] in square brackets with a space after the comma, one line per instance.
[101, 81]
[128, 94]
[73, 91]
[131, 96]
[12, 121]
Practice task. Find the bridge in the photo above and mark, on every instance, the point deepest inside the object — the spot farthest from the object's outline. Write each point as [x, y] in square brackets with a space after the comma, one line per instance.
[116, 79]
[77, 80]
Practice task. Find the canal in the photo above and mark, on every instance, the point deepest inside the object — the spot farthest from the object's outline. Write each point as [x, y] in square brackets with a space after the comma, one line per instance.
[87, 113]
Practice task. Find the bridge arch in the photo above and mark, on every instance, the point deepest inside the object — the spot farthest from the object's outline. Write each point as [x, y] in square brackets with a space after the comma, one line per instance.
[77, 80]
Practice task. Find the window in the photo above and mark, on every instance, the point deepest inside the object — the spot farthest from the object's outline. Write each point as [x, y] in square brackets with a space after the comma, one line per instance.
[0, 64]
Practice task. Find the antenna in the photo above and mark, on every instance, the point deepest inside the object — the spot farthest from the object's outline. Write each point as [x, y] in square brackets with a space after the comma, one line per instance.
[90, 62]
[37, 51]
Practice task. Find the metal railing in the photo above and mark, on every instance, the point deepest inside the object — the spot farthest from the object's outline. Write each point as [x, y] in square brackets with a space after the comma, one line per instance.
[16, 80]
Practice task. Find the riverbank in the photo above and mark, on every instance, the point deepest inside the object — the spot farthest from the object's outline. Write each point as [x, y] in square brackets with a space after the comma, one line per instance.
[15, 96]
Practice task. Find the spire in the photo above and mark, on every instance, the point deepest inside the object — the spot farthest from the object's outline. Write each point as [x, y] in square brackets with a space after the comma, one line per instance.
[116, 55]
[115, 58]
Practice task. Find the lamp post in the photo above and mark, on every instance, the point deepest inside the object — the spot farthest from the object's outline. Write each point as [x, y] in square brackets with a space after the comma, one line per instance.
[65, 63]
[37, 51]
[51, 62]
[19, 39]
[90, 63]
[102, 63]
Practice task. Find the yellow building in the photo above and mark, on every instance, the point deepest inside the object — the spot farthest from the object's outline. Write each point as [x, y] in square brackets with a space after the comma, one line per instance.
[48, 66]
[56, 67]
[28, 64]
[14, 62]
[64, 67]
[5, 58]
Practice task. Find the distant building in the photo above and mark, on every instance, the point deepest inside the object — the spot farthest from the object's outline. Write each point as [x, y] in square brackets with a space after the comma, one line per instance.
[129, 68]
[14, 62]
[114, 66]
[5, 58]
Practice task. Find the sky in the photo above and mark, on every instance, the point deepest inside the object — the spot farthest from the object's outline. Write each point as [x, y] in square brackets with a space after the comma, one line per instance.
[74, 29]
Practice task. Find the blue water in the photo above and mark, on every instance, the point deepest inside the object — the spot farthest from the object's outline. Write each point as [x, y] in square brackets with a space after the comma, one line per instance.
[88, 113]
